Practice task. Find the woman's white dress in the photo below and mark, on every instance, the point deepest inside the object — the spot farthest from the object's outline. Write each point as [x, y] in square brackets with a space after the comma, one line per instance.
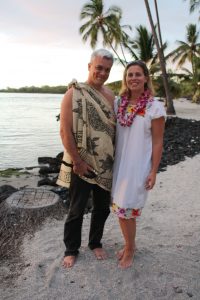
[132, 162]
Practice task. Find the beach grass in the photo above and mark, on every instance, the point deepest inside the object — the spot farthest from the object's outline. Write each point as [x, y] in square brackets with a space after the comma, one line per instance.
[12, 172]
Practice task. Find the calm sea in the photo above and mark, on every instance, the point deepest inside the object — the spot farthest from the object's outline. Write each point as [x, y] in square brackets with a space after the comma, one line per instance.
[28, 128]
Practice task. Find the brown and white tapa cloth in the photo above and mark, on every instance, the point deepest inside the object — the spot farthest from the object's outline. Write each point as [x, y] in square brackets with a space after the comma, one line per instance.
[94, 132]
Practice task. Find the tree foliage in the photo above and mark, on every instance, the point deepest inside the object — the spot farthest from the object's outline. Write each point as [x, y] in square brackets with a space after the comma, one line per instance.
[46, 89]
[106, 23]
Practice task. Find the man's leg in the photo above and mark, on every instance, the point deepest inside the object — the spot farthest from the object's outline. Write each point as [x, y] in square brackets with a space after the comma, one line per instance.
[79, 193]
[100, 212]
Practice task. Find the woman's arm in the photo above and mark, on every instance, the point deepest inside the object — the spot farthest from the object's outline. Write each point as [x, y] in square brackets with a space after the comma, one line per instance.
[157, 129]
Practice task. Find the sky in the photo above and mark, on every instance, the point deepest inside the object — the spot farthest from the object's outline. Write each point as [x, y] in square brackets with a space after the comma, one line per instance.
[40, 42]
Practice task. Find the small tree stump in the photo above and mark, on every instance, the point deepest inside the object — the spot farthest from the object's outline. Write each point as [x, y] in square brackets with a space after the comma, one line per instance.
[32, 198]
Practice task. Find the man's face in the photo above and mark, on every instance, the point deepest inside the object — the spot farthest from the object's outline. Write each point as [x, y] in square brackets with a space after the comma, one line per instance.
[99, 70]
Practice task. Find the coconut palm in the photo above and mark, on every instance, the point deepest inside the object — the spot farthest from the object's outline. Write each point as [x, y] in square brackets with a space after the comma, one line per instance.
[170, 106]
[144, 44]
[194, 5]
[122, 42]
[195, 79]
[187, 51]
[142, 47]
[107, 23]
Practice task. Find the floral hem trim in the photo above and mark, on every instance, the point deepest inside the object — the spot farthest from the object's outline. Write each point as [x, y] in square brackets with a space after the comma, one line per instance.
[126, 213]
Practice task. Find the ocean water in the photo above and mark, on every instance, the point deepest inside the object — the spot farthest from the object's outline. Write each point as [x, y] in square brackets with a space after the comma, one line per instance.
[28, 128]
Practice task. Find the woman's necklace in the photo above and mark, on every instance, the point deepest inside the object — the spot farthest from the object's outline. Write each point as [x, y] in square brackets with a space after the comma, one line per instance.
[141, 102]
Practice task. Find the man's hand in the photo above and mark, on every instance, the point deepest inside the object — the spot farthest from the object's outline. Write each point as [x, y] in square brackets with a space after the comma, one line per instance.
[81, 168]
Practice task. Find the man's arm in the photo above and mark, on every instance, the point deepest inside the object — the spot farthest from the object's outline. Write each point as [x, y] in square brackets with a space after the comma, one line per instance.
[66, 133]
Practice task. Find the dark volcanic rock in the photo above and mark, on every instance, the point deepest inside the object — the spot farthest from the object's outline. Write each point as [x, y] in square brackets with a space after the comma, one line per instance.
[49, 170]
[6, 191]
[47, 181]
[53, 164]
[63, 194]
[181, 140]
[47, 160]
[52, 161]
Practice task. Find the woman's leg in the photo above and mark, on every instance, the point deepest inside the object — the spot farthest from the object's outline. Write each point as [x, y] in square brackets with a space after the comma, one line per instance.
[128, 227]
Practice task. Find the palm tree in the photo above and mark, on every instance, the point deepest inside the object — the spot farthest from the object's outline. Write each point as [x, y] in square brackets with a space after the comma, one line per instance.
[196, 96]
[107, 23]
[170, 106]
[194, 79]
[187, 51]
[143, 47]
[144, 44]
[194, 4]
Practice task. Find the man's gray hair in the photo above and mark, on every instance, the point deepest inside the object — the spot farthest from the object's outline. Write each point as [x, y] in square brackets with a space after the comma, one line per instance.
[102, 53]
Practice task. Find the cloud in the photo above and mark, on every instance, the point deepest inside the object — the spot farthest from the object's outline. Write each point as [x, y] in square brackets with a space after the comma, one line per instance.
[40, 41]
[41, 22]
[57, 22]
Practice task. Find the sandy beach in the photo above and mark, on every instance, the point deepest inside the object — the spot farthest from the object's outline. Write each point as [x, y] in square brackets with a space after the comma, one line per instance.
[167, 259]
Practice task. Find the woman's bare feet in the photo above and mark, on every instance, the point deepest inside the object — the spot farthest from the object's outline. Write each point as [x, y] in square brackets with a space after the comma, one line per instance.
[100, 253]
[120, 254]
[127, 259]
[69, 261]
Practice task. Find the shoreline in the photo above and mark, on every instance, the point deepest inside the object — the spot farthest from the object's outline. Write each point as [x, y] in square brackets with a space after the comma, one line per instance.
[183, 146]
[166, 264]
[184, 109]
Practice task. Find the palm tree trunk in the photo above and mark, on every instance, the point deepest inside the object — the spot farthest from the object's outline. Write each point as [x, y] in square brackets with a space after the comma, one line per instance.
[122, 50]
[121, 61]
[170, 105]
[111, 46]
[158, 22]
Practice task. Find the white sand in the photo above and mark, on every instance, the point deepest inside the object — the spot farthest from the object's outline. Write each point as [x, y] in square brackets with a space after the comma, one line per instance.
[167, 260]
[186, 109]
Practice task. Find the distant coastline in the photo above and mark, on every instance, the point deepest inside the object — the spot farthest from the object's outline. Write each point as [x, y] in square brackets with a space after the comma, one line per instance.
[46, 89]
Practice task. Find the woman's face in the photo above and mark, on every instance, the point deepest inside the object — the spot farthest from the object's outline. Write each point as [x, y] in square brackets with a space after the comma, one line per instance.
[135, 79]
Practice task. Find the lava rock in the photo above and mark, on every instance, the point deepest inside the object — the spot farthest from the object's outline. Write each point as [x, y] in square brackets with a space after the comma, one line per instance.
[6, 191]
[181, 140]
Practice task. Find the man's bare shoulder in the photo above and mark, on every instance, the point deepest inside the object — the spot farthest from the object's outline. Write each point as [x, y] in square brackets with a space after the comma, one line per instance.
[108, 93]
[68, 96]
[69, 92]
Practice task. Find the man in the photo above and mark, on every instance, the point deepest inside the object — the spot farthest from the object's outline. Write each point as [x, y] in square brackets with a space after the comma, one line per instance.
[87, 132]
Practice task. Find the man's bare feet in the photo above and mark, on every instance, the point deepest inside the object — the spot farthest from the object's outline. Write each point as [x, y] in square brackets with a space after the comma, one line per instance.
[120, 254]
[127, 259]
[100, 253]
[69, 261]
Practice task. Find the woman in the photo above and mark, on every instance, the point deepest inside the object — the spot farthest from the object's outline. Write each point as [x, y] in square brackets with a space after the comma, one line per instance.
[139, 142]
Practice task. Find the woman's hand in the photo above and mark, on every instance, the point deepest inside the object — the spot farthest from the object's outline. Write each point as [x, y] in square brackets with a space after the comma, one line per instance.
[151, 180]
